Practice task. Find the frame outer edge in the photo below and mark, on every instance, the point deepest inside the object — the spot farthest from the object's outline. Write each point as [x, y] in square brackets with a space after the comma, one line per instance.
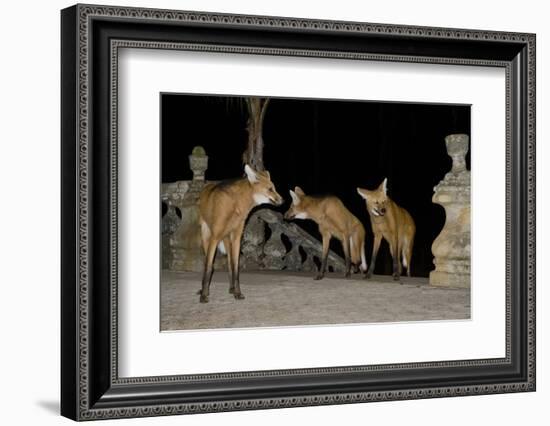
[531, 199]
[83, 12]
[69, 220]
[83, 103]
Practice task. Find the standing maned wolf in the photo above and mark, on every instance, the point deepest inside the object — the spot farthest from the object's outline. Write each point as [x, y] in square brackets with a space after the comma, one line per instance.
[223, 209]
[334, 220]
[392, 222]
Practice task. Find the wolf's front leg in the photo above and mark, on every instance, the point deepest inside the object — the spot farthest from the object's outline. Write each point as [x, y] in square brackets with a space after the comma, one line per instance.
[375, 247]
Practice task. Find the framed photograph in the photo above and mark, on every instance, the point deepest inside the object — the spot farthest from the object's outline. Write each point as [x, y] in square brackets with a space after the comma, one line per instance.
[263, 212]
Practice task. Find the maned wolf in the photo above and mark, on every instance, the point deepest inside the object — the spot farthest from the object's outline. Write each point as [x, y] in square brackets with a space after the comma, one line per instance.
[392, 222]
[223, 209]
[334, 220]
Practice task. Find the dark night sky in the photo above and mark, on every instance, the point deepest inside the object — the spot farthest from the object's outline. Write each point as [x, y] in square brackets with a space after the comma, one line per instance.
[326, 147]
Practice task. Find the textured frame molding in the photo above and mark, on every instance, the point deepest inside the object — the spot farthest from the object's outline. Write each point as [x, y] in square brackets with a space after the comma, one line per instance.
[92, 389]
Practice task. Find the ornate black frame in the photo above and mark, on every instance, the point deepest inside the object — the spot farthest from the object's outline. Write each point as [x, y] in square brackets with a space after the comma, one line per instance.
[90, 386]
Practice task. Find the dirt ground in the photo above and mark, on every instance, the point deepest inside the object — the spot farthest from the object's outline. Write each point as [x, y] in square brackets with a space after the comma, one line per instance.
[290, 299]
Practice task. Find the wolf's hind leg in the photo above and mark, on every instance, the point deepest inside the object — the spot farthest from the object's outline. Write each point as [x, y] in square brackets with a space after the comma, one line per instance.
[347, 256]
[326, 241]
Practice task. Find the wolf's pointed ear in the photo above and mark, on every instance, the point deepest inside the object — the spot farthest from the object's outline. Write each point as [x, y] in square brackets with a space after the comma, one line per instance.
[299, 191]
[250, 174]
[385, 186]
[362, 192]
[295, 197]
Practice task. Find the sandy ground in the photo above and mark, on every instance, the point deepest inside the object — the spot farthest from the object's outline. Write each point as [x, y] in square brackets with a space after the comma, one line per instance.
[289, 299]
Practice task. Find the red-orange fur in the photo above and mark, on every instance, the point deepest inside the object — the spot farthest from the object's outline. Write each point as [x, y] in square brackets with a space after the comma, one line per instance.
[223, 209]
[334, 220]
[394, 224]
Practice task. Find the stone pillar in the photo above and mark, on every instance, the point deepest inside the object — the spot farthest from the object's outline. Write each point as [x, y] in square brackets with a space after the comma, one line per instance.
[185, 242]
[451, 249]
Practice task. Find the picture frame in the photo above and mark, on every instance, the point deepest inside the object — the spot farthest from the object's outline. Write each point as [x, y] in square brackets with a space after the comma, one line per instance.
[90, 385]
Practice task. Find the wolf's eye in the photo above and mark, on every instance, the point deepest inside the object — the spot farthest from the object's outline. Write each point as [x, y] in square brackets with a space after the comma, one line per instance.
[270, 189]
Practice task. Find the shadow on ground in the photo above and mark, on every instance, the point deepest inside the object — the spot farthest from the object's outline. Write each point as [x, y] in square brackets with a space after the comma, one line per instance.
[52, 407]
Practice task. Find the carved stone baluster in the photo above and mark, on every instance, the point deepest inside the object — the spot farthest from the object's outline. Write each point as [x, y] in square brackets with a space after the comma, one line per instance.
[170, 221]
[309, 265]
[293, 259]
[274, 249]
[169, 225]
[252, 247]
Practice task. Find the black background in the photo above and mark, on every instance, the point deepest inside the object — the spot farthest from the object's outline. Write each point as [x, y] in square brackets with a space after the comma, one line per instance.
[326, 147]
